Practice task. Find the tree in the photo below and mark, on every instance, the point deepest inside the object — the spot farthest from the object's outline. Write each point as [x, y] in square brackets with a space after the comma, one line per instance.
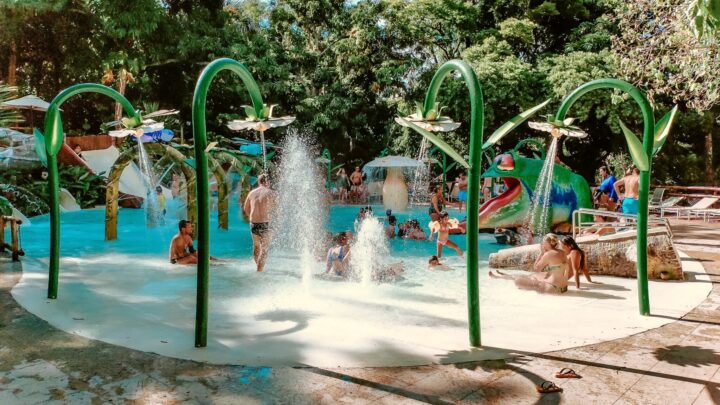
[658, 50]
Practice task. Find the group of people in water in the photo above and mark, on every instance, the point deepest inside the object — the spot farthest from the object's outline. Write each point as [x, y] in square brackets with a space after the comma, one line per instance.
[257, 208]
[558, 263]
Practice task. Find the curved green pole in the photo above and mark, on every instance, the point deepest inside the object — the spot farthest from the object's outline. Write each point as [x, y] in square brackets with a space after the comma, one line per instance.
[201, 170]
[648, 140]
[53, 142]
[473, 204]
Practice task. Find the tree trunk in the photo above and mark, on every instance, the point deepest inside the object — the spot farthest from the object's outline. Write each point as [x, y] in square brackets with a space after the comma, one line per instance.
[709, 168]
[12, 65]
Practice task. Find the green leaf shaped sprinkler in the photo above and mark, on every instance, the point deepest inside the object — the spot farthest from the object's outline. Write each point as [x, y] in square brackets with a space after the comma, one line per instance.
[261, 120]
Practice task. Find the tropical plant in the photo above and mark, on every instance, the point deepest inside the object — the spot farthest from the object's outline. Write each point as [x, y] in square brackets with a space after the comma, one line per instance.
[7, 116]
[87, 188]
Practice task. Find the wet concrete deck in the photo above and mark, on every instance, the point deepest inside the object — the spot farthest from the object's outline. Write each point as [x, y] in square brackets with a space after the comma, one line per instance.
[678, 363]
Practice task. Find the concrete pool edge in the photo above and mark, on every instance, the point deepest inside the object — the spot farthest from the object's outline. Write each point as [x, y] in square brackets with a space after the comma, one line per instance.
[450, 357]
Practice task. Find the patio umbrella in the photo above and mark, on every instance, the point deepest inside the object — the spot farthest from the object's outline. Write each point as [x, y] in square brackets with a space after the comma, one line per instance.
[29, 102]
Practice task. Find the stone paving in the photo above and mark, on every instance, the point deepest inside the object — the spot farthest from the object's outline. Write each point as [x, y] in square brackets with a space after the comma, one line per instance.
[678, 363]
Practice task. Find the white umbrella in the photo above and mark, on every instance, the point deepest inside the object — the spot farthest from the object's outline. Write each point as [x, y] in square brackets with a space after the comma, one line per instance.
[393, 161]
[30, 102]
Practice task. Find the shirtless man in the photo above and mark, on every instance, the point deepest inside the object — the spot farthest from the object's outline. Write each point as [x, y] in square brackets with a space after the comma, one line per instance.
[258, 205]
[181, 246]
[462, 190]
[632, 185]
[356, 180]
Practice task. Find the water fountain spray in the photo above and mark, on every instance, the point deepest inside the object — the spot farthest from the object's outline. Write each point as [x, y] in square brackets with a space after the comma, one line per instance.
[300, 215]
[368, 254]
[421, 180]
[537, 221]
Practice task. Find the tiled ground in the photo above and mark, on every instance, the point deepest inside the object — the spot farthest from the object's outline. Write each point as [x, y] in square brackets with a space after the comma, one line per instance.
[678, 363]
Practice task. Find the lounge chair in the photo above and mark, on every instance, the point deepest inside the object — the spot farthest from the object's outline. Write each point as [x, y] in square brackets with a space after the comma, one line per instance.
[670, 202]
[703, 204]
[709, 213]
[657, 196]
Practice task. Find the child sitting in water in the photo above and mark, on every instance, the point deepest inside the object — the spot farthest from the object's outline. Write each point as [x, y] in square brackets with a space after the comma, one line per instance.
[442, 228]
[338, 256]
[434, 264]
[413, 230]
[390, 229]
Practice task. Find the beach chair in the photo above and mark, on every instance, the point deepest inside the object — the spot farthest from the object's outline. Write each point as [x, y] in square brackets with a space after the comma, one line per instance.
[657, 196]
[710, 213]
[667, 203]
[703, 204]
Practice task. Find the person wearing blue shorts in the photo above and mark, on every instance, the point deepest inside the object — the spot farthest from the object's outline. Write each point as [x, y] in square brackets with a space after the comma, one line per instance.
[462, 184]
[631, 182]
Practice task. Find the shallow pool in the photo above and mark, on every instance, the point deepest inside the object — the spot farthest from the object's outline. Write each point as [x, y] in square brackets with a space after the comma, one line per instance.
[126, 292]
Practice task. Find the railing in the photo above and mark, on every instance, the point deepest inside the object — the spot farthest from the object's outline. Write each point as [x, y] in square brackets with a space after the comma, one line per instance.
[624, 221]
[690, 189]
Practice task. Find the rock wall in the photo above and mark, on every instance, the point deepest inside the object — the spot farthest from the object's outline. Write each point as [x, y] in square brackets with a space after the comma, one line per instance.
[612, 255]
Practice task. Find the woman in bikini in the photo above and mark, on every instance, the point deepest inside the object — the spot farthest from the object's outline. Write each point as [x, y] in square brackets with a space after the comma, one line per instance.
[577, 259]
[551, 269]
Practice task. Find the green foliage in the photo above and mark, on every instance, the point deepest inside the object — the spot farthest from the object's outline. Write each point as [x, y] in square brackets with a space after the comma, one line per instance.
[5, 207]
[7, 117]
[617, 163]
[346, 69]
[87, 188]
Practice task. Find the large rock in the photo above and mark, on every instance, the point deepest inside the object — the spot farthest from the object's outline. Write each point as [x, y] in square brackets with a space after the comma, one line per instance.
[613, 255]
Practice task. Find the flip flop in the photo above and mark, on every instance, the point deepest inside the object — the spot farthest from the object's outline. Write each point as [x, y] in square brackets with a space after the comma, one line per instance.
[548, 387]
[567, 373]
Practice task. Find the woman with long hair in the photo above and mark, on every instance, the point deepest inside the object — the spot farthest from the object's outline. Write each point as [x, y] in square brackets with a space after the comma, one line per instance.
[577, 259]
[342, 184]
[550, 268]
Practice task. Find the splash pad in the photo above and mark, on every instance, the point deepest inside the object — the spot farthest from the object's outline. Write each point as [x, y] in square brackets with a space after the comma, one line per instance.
[126, 292]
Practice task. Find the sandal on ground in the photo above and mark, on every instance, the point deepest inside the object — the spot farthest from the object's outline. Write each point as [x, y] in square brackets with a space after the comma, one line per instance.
[548, 387]
[567, 373]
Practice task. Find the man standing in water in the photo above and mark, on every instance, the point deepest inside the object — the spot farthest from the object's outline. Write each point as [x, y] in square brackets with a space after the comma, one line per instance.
[632, 185]
[258, 205]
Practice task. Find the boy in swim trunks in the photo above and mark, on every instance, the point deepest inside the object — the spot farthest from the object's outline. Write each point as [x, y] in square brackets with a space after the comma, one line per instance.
[442, 228]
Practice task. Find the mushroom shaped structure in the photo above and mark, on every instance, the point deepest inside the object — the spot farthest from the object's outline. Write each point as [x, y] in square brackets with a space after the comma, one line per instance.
[394, 190]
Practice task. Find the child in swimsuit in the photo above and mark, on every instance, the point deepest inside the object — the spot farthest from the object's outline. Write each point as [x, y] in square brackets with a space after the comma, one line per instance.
[442, 228]
[339, 255]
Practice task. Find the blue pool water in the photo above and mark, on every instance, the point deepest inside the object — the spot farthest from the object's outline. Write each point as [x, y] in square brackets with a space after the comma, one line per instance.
[82, 232]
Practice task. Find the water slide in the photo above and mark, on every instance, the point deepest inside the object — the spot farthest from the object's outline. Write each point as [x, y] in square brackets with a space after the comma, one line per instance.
[67, 201]
[131, 179]
[19, 215]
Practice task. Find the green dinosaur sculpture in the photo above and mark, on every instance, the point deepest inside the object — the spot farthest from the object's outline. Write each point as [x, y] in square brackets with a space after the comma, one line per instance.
[569, 192]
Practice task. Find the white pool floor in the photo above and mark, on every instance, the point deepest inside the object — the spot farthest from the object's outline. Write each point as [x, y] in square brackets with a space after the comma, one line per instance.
[135, 298]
